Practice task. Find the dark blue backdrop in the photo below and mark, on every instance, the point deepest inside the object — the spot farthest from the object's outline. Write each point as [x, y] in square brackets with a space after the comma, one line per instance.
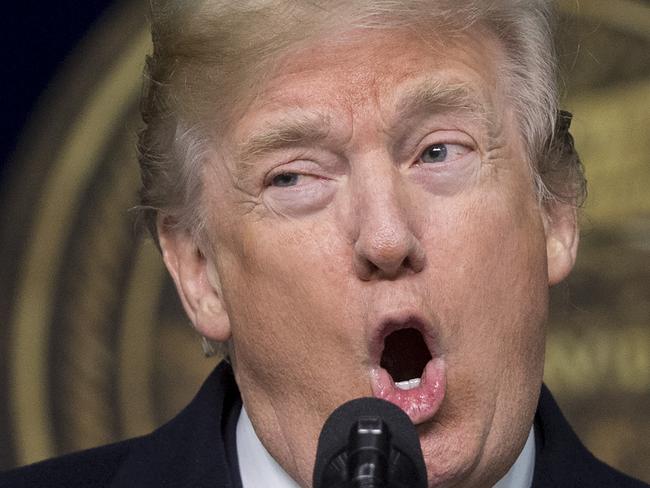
[36, 36]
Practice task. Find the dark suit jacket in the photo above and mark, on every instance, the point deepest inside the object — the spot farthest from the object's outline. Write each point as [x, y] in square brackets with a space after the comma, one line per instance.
[197, 449]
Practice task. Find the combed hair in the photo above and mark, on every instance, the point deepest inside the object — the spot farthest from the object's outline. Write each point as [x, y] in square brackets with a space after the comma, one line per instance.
[207, 55]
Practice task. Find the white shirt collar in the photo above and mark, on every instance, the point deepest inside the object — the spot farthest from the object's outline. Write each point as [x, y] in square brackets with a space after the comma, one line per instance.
[258, 468]
[521, 473]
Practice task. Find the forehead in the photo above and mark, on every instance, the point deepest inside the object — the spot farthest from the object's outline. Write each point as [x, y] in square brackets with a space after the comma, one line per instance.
[374, 61]
[378, 70]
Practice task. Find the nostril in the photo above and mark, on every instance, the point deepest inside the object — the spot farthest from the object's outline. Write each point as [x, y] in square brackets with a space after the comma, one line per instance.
[388, 262]
[368, 269]
[383, 254]
[387, 248]
[364, 268]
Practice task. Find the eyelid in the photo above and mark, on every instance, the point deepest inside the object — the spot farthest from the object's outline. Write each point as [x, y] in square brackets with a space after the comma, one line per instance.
[317, 164]
[288, 165]
[448, 138]
[447, 144]
[268, 180]
[289, 168]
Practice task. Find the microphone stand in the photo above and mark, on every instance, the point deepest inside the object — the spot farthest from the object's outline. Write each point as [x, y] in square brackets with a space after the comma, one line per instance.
[369, 443]
[368, 454]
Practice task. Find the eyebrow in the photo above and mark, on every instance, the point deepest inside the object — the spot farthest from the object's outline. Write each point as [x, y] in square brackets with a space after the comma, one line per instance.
[439, 95]
[304, 129]
[431, 96]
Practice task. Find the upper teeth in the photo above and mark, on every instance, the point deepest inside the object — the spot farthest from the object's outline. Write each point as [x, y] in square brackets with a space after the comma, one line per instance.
[409, 384]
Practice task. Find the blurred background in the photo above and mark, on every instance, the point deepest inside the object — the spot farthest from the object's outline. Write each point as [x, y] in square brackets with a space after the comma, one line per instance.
[94, 346]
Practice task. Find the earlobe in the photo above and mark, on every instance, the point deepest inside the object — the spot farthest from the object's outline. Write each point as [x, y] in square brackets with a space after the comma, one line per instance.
[562, 238]
[196, 281]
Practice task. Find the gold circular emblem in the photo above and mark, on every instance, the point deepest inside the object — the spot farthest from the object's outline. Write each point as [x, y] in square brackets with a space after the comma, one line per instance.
[95, 346]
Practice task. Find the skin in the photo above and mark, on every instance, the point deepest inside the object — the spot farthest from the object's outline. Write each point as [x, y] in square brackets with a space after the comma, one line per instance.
[299, 271]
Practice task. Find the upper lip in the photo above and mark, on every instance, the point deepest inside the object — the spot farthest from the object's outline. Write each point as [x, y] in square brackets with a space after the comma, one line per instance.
[402, 320]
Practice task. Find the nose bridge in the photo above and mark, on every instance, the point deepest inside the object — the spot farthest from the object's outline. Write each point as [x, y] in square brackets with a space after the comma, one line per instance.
[381, 207]
[386, 244]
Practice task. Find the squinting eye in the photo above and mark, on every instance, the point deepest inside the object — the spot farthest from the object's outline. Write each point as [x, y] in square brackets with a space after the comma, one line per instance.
[285, 179]
[436, 153]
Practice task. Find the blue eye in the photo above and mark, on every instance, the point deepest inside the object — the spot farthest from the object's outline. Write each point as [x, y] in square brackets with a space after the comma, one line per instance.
[285, 179]
[436, 153]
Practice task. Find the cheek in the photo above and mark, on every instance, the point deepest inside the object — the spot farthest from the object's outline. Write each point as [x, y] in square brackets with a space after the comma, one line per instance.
[288, 297]
[284, 253]
[294, 275]
[488, 272]
[498, 265]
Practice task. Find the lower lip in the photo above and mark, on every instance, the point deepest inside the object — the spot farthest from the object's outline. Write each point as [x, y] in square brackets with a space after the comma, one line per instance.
[421, 403]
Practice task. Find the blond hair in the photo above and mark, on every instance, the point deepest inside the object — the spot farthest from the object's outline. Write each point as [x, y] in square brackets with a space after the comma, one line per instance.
[208, 54]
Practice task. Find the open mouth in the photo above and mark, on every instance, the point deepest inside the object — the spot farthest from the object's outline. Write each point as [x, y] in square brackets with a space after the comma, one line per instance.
[410, 371]
[405, 356]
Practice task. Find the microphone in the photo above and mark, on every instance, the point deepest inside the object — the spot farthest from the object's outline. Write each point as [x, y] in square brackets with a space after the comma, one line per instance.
[369, 443]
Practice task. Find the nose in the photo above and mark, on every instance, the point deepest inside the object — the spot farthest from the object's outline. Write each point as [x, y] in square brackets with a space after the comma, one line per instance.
[386, 246]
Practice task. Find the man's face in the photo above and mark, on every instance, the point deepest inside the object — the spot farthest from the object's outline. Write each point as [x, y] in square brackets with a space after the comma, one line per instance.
[371, 220]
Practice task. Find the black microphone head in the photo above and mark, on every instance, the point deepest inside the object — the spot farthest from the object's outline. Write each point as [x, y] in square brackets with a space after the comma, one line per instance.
[407, 462]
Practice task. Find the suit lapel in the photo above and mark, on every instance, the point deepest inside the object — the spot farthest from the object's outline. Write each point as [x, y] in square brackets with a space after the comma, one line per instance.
[190, 450]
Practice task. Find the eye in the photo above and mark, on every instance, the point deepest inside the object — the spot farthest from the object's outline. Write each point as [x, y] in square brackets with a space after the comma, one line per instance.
[285, 179]
[443, 153]
[436, 153]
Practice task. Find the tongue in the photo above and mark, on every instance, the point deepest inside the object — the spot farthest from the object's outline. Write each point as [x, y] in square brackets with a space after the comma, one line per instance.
[405, 355]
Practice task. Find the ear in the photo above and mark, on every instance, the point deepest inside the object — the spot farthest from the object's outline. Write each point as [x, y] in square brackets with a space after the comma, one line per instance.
[562, 236]
[197, 282]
